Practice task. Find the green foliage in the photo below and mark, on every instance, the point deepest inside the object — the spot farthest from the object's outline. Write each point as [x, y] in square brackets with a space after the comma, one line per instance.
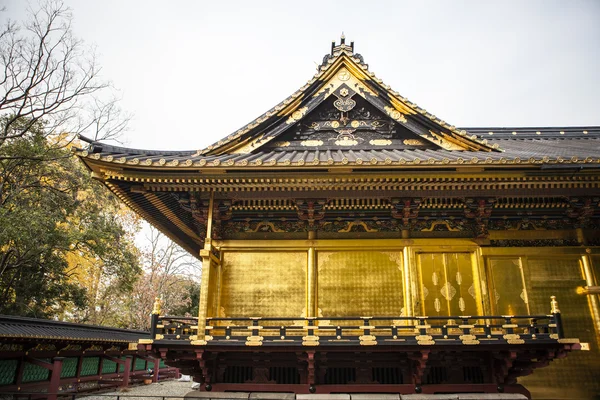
[52, 214]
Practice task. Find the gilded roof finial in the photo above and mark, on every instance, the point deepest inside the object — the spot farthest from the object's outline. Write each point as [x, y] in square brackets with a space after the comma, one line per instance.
[342, 46]
[554, 305]
[157, 304]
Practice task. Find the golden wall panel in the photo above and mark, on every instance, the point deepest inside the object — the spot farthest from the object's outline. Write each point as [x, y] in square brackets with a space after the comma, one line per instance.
[265, 284]
[578, 375]
[360, 283]
[508, 295]
[213, 291]
[446, 284]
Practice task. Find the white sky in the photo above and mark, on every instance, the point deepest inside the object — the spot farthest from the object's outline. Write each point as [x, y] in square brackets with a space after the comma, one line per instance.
[193, 72]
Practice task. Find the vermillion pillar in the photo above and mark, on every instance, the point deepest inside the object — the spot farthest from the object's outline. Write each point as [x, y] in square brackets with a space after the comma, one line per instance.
[57, 364]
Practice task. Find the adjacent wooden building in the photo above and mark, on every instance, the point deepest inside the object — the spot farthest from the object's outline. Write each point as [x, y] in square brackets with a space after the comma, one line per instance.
[352, 241]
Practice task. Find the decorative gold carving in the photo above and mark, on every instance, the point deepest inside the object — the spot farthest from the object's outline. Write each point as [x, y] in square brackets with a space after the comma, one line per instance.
[281, 144]
[515, 341]
[343, 75]
[554, 336]
[344, 105]
[145, 341]
[367, 340]
[413, 142]
[568, 341]
[554, 305]
[310, 340]
[311, 143]
[254, 341]
[425, 342]
[159, 337]
[156, 307]
[380, 142]
[395, 114]
[351, 224]
[511, 336]
[440, 222]
[297, 115]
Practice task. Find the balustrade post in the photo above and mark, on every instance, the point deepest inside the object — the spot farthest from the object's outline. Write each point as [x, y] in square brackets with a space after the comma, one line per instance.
[154, 318]
[554, 310]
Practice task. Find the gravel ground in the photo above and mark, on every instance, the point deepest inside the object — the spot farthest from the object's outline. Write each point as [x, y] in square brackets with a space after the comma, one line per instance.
[174, 389]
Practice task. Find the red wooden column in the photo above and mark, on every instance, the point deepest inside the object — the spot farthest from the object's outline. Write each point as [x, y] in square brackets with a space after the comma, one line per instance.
[156, 368]
[57, 363]
[127, 372]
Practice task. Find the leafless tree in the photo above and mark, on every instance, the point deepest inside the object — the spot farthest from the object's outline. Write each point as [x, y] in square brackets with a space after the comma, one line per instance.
[48, 75]
[169, 272]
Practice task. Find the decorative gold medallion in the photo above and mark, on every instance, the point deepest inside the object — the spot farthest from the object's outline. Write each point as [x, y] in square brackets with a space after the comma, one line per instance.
[344, 75]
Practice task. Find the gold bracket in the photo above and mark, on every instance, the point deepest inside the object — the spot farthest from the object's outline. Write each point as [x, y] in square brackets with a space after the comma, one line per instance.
[368, 340]
[254, 341]
[310, 340]
[511, 336]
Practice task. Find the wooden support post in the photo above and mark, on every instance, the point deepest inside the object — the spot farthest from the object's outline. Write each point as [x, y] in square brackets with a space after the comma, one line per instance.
[409, 310]
[594, 304]
[156, 368]
[55, 372]
[100, 366]
[20, 368]
[127, 372]
[557, 318]
[207, 266]
[311, 284]
[79, 366]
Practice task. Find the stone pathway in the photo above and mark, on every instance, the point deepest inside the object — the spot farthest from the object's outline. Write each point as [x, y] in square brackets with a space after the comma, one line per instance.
[173, 390]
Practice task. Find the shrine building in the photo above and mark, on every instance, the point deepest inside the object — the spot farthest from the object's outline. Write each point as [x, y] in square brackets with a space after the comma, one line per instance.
[352, 242]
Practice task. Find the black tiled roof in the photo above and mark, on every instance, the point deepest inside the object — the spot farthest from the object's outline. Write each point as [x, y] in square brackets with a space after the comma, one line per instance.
[23, 327]
[570, 144]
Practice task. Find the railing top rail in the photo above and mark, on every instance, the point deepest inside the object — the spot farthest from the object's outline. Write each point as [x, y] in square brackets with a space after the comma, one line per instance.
[386, 318]
[178, 317]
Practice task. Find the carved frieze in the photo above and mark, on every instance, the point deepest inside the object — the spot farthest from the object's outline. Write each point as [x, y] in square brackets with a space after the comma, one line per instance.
[406, 210]
[311, 210]
[582, 209]
[479, 210]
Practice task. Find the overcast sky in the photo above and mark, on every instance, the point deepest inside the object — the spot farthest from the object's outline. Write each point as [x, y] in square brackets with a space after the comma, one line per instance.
[193, 72]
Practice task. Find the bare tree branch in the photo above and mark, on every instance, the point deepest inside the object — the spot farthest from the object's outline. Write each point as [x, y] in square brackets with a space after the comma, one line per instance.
[48, 76]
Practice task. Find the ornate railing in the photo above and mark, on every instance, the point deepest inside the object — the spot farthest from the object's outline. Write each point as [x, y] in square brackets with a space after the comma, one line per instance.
[365, 331]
